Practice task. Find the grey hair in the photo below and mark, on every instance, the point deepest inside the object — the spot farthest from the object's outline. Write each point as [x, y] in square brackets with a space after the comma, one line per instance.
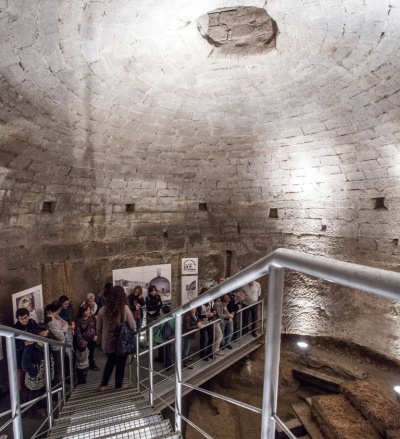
[89, 296]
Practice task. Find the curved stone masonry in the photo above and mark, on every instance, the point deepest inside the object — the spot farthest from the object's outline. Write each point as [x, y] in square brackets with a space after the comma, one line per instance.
[105, 104]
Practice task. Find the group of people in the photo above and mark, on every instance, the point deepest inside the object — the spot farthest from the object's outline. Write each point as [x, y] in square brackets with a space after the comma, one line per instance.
[81, 336]
[101, 318]
[214, 338]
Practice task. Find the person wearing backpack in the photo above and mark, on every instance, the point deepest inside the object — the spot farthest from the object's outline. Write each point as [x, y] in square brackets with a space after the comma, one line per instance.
[163, 333]
[111, 316]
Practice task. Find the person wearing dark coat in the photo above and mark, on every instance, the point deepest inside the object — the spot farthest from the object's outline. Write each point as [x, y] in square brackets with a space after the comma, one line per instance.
[85, 330]
[26, 324]
[33, 364]
[206, 315]
[136, 303]
[153, 304]
[66, 310]
[190, 323]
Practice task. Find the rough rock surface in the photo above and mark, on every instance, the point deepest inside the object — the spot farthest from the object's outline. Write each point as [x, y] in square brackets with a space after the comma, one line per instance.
[238, 31]
[244, 382]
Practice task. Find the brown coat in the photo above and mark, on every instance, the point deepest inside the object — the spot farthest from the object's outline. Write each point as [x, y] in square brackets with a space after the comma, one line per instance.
[106, 329]
[190, 322]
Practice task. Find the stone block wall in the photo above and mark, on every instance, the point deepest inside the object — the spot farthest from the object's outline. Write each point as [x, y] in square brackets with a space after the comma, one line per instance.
[105, 105]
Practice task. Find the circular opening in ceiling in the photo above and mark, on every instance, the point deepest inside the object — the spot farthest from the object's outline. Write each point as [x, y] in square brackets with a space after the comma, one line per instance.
[241, 30]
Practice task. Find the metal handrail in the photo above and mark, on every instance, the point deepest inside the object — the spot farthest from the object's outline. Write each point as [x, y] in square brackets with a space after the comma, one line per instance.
[372, 280]
[193, 387]
[11, 335]
[368, 279]
[149, 385]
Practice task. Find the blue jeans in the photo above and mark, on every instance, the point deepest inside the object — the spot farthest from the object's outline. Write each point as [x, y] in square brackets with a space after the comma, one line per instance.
[250, 310]
[186, 348]
[206, 347]
[139, 323]
[227, 330]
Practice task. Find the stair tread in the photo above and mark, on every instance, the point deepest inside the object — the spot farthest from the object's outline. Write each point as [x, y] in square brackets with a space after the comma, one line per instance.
[121, 430]
[129, 435]
[119, 408]
[92, 392]
[65, 422]
[101, 401]
[136, 421]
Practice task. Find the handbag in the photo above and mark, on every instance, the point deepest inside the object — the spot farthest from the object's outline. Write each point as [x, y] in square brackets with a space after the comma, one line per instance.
[167, 331]
[126, 340]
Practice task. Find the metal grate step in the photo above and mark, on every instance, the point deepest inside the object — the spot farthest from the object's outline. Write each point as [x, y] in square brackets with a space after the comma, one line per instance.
[92, 388]
[130, 435]
[121, 430]
[82, 418]
[93, 393]
[133, 421]
[115, 413]
[105, 399]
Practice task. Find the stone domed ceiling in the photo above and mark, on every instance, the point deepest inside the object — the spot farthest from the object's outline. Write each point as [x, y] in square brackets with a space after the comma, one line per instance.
[123, 90]
[125, 137]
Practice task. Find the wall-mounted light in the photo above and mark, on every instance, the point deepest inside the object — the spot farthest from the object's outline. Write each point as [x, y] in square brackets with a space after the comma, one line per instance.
[302, 344]
[397, 390]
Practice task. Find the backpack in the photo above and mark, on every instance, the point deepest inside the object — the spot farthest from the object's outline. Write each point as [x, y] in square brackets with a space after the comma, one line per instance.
[126, 340]
[167, 331]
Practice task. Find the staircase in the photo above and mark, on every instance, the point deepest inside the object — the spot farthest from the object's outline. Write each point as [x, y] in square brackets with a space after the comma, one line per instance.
[115, 413]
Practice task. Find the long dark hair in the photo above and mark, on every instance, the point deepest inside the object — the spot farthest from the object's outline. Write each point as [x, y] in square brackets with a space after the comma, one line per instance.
[82, 309]
[115, 303]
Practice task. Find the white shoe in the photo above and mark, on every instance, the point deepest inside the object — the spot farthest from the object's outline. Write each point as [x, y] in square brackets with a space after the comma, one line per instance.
[219, 353]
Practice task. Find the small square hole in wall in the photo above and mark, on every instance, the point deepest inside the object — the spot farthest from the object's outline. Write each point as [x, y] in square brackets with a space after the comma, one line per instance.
[48, 206]
[130, 207]
[238, 228]
[380, 203]
[273, 212]
[203, 206]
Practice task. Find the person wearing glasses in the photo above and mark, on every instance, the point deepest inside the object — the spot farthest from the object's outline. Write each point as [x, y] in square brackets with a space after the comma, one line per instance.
[26, 324]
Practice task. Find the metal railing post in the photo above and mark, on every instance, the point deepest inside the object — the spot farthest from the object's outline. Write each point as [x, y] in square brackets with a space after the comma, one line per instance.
[272, 351]
[151, 367]
[138, 362]
[63, 386]
[262, 316]
[13, 383]
[47, 362]
[178, 372]
[71, 370]
[240, 326]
